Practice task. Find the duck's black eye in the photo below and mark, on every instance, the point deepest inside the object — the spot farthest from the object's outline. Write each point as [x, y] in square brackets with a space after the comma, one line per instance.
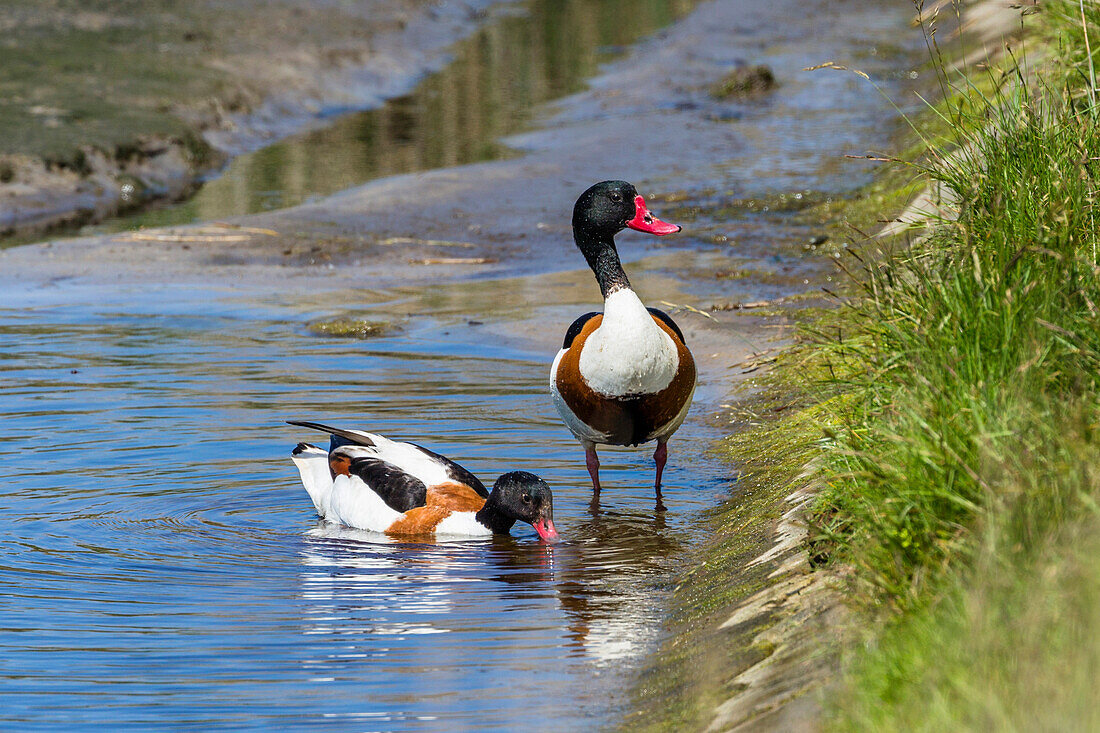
[526, 498]
[616, 197]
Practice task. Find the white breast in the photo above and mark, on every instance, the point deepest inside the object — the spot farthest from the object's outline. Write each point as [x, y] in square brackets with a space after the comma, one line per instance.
[629, 353]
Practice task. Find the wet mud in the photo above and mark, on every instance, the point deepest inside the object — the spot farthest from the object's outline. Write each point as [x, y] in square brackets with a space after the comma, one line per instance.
[110, 107]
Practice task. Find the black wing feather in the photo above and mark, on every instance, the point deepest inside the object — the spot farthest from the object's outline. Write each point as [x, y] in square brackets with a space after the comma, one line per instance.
[401, 491]
[575, 329]
[667, 320]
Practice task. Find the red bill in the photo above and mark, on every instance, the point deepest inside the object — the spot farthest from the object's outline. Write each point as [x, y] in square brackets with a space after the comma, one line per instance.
[644, 221]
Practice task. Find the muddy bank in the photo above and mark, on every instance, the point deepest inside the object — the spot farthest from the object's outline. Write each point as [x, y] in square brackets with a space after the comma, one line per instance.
[649, 117]
[114, 107]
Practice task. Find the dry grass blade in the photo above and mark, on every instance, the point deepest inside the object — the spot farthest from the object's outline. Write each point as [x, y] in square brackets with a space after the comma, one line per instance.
[742, 306]
[688, 308]
[453, 261]
[250, 230]
[175, 237]
[837, 67]
[389, 241]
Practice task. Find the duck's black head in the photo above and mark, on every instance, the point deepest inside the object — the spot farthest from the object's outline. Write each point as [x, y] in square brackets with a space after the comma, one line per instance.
[610, 206]
[600, 213]
[519, 496]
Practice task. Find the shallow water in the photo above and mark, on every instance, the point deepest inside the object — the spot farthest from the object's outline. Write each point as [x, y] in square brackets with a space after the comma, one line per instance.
[165, 565]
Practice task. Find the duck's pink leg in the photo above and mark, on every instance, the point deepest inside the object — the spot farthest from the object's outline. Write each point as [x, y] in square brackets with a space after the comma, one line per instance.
[593, 462]
[660, 456]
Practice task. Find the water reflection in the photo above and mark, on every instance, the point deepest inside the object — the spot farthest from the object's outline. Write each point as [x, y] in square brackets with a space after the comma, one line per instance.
[360, 585]
[165, 552]
[605, 623]
[454, 117]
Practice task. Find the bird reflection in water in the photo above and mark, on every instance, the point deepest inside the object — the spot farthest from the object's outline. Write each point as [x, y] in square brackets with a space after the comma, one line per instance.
[606, 581]
[376, 597]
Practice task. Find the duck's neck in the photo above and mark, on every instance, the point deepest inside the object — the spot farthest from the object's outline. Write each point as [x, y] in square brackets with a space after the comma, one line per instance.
[491, 517]
[598, 248]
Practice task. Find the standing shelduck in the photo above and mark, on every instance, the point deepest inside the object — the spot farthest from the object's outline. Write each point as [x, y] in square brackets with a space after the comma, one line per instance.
[370, 482]
[624, 376]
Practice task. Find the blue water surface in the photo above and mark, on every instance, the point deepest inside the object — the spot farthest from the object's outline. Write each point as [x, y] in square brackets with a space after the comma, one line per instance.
[164, 566]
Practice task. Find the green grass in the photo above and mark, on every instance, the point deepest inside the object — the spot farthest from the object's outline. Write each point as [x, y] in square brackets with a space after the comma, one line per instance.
[958, 340]
[959, 385]
[1011, 641]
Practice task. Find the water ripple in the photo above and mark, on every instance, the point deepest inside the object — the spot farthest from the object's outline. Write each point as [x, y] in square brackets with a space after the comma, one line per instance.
[165, 563]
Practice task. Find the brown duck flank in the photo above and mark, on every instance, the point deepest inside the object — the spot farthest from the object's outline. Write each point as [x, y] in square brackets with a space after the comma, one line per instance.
[442, 501]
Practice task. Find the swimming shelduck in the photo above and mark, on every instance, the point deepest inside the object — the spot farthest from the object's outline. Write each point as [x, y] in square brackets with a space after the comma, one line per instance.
[624, 376]
[370, 482]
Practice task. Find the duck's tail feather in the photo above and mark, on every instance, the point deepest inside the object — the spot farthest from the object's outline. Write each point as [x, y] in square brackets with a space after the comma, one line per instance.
[352, 437]
[312, 463]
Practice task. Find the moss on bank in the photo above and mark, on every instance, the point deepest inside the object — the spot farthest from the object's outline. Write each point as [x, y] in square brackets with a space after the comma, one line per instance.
[106, 73]
[109, 106]
[695, 669]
